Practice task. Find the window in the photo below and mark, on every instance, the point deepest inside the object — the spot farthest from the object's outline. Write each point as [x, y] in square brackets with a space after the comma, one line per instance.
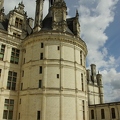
[16, 35]
[0, 72]
[92, 114]
[15, 56]
[82, 83]
[12, 78]
[42, 45]
[40, 83]
[22, 73]
[58, 48]
[20, 101]
[21, 86]
[81, 57]
[41, 56]
[113, 113]
[19, 117]
[38, 115]
[57, 75]
[18, 23]
[83, 109]
[8, 109]
[2, 51]
[40, 70]
[24, 61]
[102, 114]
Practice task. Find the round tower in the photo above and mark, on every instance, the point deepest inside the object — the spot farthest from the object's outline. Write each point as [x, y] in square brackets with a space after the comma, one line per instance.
[53, 80]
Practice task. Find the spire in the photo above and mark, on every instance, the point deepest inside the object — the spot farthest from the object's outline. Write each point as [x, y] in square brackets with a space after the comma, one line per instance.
[77, 14]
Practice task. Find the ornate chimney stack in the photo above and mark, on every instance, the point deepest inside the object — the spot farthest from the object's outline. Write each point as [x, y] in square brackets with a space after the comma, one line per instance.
[38, 15]
[59, 12]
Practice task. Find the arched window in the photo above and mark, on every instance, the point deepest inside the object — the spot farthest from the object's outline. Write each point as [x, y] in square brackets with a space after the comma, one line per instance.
[113, 112]
[102, 114]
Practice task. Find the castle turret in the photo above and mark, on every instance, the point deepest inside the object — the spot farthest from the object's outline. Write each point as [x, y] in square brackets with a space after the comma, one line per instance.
[76, 25]
[95, 86]
[93, 73]
[88, 76]
[100, 84]
[56, 89]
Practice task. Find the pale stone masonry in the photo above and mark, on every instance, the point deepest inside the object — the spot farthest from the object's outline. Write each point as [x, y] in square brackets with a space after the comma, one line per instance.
[43, 72]
[106, 111]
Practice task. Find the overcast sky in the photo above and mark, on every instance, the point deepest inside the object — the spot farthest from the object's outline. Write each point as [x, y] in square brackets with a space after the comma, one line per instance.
[100, 29]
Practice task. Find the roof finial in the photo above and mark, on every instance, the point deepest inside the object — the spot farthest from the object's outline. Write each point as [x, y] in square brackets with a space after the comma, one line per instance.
[77, 14]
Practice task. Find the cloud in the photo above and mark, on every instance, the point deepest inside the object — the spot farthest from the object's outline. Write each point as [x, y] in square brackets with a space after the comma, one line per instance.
[95, 17]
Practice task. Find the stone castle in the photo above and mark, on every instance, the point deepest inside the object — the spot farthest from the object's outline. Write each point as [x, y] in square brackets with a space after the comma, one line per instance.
[43, 73]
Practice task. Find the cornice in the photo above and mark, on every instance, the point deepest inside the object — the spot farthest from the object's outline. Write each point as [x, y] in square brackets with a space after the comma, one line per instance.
[9, 39]
[55, 36]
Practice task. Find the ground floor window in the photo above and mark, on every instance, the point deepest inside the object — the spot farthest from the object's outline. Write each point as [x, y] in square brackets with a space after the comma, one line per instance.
[8, 109]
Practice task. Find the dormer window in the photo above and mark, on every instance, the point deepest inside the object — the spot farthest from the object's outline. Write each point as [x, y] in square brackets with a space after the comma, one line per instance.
[16, 35]
[18, 23]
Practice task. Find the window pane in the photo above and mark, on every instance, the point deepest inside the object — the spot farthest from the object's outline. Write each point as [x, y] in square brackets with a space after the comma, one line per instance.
[16, 59]
[17, 54]
[11, 101]
[17, 51]
[6, 107]
[12, 58]
[2, 46]
[14, 74]
[7, 101]
[2, 50]
[13, 86]
[10, 115]
[5, 114]
[11, 107]
[13, 49]
[1, 55]
[8, 85]
[9, 78]
[13, 53]
[10, 73]
[14, 79]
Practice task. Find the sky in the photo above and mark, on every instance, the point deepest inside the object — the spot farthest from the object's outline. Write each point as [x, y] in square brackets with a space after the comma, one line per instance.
[100, 29]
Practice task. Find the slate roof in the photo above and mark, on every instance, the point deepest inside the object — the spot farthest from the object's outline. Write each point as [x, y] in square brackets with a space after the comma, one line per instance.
[4, 24]
[47, 24]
